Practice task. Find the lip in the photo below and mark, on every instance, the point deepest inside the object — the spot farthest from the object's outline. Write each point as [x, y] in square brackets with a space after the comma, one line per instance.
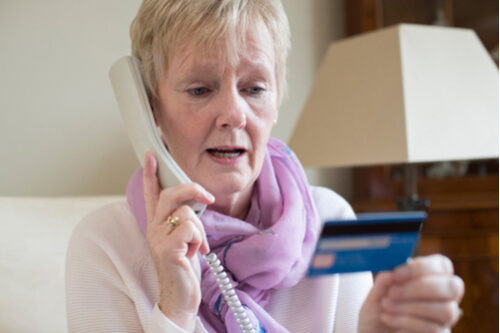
[227, 161]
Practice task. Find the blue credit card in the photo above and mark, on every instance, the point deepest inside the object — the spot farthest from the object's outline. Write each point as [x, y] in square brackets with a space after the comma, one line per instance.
[372, 242]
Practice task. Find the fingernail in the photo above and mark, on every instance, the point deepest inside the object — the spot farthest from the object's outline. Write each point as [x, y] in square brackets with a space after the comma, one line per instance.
[152, 158]
[402, 272]
[207, 248]
[210, 196]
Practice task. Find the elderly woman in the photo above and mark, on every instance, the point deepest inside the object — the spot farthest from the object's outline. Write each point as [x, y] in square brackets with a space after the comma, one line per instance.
[215, 72]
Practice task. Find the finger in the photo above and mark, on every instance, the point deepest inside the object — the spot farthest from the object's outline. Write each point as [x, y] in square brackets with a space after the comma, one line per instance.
[188, 214]
[151, 186]
[443, 313]
[172, 223]
[433, 264]
[405, 323]
[443, 330]
[172, 197]
[430, 287]
[380, 287]
[187, 240]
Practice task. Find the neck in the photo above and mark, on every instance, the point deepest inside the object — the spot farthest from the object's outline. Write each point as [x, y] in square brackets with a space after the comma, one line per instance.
[234, 205]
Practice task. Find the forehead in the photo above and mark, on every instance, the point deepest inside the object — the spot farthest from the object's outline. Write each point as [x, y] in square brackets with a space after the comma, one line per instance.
[254, 49]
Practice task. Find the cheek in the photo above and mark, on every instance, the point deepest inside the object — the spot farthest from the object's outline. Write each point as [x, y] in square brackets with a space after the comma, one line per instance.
[265, 118]
[185, 136]
[268, 108]
[176, 123]
[260, 136]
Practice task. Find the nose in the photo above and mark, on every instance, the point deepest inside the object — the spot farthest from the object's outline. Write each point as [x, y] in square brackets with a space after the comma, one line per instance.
[231, 110]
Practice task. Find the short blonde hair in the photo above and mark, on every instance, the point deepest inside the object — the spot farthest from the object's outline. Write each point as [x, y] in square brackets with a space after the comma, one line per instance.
[162, 26]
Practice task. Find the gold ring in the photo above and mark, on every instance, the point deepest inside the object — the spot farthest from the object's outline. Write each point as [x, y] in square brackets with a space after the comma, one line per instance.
[173, 221]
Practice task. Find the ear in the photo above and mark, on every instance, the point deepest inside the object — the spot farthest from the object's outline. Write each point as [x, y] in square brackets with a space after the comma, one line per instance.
[153, 109]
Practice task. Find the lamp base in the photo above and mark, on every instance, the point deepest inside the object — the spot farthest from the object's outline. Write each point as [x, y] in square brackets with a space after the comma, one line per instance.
[413, 203]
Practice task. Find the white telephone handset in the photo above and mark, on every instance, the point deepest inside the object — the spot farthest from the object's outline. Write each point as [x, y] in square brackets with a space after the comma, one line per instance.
[126, 76]
[128, 85]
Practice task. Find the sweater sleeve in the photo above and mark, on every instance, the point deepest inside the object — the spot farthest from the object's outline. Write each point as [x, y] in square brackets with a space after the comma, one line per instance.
[97, 298]
[161, 324]
[353, 288]
[103, 288]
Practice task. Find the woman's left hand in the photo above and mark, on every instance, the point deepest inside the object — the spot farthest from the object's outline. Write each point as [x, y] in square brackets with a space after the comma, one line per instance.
[420, 296]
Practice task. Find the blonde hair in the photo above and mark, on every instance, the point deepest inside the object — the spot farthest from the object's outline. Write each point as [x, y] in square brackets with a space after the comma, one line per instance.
[162, 26]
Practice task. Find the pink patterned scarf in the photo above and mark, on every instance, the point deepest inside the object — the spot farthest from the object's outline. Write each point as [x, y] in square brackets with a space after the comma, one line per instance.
[270, 249]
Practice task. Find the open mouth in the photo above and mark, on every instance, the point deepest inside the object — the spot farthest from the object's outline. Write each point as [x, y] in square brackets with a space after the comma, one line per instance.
[225, 152]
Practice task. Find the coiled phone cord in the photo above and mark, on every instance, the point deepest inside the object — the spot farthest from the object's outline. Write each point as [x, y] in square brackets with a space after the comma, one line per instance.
[229, 294]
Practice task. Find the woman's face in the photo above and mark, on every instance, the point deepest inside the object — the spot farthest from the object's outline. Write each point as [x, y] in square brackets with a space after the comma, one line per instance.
[217, 118]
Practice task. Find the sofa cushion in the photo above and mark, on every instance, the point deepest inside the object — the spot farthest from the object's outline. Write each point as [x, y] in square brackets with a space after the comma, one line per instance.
[34, 234]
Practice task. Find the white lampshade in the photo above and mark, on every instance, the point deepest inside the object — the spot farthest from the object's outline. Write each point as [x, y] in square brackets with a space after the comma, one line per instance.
[408, 93]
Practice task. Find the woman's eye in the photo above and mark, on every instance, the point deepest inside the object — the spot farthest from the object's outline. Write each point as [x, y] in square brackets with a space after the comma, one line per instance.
[255, 90]
[198, 91]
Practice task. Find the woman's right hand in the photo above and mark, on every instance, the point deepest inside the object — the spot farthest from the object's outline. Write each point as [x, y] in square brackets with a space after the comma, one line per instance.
[174, 248]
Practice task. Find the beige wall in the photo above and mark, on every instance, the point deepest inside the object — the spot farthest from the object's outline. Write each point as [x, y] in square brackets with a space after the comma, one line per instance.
[314, 25]
[60, 131]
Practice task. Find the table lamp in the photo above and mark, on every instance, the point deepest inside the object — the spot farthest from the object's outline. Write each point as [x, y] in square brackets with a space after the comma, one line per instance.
[404, 94]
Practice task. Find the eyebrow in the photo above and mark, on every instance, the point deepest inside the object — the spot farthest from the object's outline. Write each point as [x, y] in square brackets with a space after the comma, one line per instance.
[198, 72]
[261, 64]
[207, 70]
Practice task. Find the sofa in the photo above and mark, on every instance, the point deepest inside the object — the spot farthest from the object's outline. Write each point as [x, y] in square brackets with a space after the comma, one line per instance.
[34, 234]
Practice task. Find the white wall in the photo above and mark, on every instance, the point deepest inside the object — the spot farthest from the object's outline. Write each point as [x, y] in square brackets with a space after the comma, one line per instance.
[60, 131]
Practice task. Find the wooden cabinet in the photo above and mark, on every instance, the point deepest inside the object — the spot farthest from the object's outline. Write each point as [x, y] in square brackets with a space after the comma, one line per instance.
[463, 214]
[462, 224]
[479, 15]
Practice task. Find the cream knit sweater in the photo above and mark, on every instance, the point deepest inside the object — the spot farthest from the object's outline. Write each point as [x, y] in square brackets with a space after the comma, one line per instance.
[111, 282]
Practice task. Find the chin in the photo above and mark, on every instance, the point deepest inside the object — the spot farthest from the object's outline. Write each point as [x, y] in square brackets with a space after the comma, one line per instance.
[228, 185]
